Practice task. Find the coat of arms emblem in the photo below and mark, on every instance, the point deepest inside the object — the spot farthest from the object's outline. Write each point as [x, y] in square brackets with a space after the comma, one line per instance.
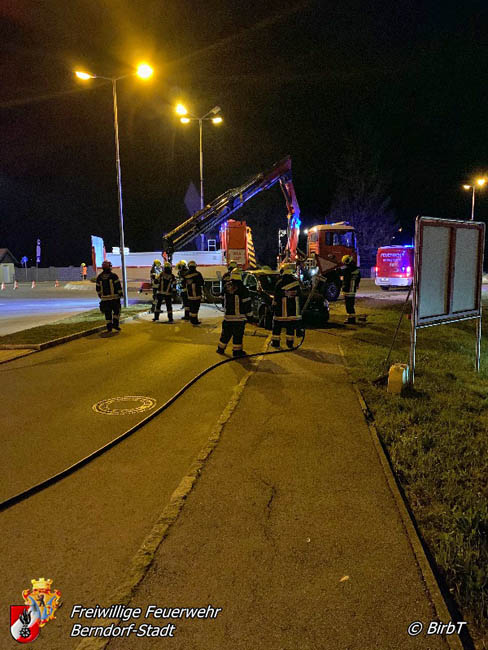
[40, 604]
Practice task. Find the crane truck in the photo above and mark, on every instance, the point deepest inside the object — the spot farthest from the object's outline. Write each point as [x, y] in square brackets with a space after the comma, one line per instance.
[326, 244]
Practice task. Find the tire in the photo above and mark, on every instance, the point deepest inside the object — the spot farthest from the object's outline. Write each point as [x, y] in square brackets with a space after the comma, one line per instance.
[332, 291]
[385, 287]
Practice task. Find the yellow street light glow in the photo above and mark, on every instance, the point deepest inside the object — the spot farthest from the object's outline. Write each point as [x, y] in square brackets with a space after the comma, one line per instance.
[84, 75]
[217, 120]
[481, 181]
[184, 120]
[144, 71]
[181, 110]
[467, 187]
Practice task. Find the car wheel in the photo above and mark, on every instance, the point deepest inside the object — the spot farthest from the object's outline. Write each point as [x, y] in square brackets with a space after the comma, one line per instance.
[385, 287]
[332, 291]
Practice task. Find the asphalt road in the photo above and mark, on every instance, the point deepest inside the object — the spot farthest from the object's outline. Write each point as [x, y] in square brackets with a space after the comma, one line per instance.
[26, 307]
[83, 531]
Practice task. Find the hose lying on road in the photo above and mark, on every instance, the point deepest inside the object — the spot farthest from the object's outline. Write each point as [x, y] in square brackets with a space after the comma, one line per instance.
[35, 489]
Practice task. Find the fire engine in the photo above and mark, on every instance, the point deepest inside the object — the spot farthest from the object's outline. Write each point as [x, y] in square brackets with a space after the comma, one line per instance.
[394, 266]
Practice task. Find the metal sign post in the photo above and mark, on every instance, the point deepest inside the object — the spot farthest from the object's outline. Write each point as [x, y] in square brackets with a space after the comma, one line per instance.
[447, 277]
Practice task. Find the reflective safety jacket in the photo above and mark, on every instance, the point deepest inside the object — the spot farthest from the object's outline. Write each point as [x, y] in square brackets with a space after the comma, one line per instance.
[165, 284]
[155, 273]
[108, 286]
[350, 277]
[181, 280]
[194, 285]
[237, 302]
[286, 301]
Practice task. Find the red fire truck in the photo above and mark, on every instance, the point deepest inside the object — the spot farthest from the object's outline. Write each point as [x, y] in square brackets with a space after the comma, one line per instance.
[394, 266]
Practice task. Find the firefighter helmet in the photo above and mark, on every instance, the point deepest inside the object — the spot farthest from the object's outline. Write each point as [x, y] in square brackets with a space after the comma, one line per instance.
[235, 274]
[106, 264]
[232, 265]
[347, 259]
[181, 264]
[192, 264]
[168, 265]
[157, 262]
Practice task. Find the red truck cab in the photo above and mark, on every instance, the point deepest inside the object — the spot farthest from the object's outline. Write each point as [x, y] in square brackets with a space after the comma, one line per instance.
[394, 266]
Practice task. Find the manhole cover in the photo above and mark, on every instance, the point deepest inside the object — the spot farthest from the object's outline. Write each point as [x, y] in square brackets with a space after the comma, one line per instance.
[124, 405]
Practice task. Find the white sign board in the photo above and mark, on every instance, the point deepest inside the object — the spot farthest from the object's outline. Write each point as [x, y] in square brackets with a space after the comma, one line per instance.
[447, 276]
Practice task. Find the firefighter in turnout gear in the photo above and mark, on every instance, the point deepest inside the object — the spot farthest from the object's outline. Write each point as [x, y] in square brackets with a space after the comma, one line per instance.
[164, 291]
[154, 275]
[350, 277]
[194, 285]
[286, 306]
[230, 267]
[109, 291]
[182, 272]
[237, 305]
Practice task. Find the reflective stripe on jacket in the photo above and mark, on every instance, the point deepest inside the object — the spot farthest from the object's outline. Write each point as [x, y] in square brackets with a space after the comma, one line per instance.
[351, 277]
[194, 285]
[237, 302]
[287, 299]
[108, 286]
[165, 284]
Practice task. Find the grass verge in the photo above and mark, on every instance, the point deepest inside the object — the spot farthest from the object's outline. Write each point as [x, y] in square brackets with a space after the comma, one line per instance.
[437, 439]
[71, 325]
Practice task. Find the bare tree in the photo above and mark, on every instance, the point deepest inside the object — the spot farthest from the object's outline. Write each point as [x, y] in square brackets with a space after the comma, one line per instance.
[362, 197]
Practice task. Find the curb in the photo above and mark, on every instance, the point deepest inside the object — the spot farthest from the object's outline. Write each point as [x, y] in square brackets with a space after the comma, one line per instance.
[65, 339]
[144, 556]
[425, 568]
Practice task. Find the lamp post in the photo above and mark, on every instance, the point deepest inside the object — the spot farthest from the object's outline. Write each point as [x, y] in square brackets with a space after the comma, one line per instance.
[480, 182]
[212, 116]
[144, 71]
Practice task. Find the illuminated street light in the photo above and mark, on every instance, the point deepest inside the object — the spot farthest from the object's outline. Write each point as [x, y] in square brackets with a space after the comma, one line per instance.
[181, 110]
[480, 182]
[144, 71]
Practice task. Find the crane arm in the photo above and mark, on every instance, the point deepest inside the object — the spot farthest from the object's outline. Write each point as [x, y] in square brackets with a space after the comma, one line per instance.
[221, 208]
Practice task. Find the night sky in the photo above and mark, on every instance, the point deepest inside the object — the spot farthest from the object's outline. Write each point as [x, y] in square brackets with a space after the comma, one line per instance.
[409, 78]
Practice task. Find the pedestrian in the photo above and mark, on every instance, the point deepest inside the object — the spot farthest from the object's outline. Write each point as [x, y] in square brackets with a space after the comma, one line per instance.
[83, 270]
[182, 272]
[109, 291]
[286, 307]
[164, 292]
[350, 278]
[194, 285]
[237, 308]
[154, 275]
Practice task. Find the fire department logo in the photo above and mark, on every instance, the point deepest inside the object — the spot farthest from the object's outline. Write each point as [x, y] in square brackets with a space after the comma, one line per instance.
[40, 605]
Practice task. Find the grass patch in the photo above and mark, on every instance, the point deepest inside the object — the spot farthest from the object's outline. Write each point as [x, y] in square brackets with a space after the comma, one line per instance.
[437, 439]
[71, 325]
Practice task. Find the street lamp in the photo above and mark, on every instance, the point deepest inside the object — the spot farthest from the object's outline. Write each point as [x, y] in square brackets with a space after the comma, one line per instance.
[211, 116]
[480, 182]
[144, 71]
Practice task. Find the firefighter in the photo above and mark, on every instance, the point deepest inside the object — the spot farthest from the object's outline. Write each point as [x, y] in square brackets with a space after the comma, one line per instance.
[194, 285]
[286, 307]
[109, 291]
[83, 270]
[350, 278]
[230, 266]
[237, 305]
[164, 291]
[182, 271]
[154, 275]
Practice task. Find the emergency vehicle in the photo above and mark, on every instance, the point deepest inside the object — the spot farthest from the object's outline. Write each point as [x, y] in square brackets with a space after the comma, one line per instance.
[394, 266]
